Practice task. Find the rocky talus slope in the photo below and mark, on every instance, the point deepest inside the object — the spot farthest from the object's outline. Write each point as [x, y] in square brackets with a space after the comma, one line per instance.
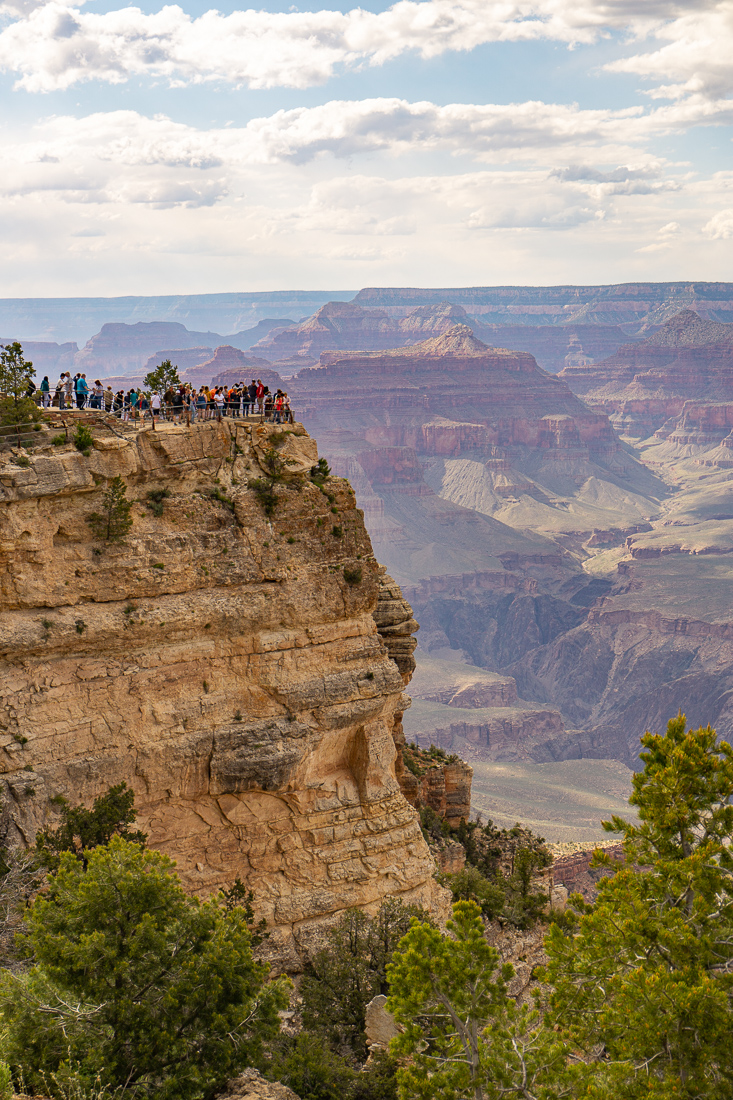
[226, 665]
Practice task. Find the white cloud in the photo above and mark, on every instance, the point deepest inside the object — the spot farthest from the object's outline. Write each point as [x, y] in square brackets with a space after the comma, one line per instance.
[720, 226]
[696, 58]
[55, 45]
[555, 135]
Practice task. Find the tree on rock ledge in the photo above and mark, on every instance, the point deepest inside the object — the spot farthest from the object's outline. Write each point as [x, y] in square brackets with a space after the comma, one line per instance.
[136, 985]
[648, 975]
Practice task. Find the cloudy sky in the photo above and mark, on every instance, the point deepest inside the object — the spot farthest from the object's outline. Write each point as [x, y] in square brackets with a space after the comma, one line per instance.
[182, 149]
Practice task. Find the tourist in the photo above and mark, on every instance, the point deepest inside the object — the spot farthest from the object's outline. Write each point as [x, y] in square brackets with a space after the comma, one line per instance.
[260, 394]
[287, 411]
[119, 403]
[278, 406]
[109, 398]
[269, 400]
[97, 395]
[82, 391]
[69, 385]
[201, 403]
[45, 389]
[210, 402]
[252, 392]
[219, 402]
[155, 404]
[143, 405]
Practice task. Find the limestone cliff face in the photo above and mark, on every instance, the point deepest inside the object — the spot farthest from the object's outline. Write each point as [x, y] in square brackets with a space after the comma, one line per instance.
[225, 665]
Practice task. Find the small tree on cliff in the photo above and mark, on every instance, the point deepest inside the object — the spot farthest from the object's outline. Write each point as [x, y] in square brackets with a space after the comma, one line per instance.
[114, 521]
[649, 972]
[81, 830]
[136, 985]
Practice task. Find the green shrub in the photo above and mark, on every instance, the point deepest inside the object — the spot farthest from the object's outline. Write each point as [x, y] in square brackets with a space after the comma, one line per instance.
[7, 1092]
[59, 440]
[82, 438]
[352, 576]
[155, 500]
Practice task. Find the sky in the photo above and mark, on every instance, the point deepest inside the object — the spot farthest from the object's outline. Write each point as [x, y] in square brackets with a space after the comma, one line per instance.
[188, 149]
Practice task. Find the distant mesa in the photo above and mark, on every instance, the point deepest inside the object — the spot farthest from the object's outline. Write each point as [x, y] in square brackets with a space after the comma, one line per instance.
[690, 358]
[183, 358]
[343, 325]
[124, 349]
[249, 336]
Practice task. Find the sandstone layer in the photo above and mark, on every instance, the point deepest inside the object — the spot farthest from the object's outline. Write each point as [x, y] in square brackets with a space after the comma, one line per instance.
[224, 664]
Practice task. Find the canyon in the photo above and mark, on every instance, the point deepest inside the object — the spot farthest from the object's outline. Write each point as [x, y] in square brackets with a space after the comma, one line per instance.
[565, 539]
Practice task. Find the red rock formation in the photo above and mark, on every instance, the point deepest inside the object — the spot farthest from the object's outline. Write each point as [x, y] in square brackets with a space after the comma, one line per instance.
[405, 397]
[343, 325]
[644, 384]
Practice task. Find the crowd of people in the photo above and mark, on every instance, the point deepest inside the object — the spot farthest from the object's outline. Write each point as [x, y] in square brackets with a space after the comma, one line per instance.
[178, 402]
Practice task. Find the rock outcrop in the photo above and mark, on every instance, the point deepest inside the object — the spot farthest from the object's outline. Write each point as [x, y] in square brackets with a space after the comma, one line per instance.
[225, 664]
[251, 1085]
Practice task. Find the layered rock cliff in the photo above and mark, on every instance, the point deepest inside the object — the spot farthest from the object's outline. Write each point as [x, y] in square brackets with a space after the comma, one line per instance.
[690, 358]
[225, 664]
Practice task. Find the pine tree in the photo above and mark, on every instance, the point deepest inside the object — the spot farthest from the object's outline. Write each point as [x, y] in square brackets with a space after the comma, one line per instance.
[648, 975]
[463, 1037]
[114, 521]
[163, 378]
[135, 986]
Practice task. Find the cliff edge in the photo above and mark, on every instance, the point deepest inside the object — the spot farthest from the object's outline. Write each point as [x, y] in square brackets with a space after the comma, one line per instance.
[227, 665]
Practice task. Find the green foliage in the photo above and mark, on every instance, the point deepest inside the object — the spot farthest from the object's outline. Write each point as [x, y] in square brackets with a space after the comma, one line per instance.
[337, 532]
[18, 418]
[216, 494]
[311, 1069]
[82, 439]
[352, 575]
[15, 372]
[470, 885]
[7, 1092]
[155, 500]
[320, 472]
[276, 472]
[463, 1036]
[81, 830]
[647, 975]
[350, 970]
[308, 1066]
[135, 983]
[163, 378]
[59, 440]
[114, 521]
[238, 896]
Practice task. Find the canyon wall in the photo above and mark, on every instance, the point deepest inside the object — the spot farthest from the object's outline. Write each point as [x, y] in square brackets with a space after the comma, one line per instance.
[224, 664]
